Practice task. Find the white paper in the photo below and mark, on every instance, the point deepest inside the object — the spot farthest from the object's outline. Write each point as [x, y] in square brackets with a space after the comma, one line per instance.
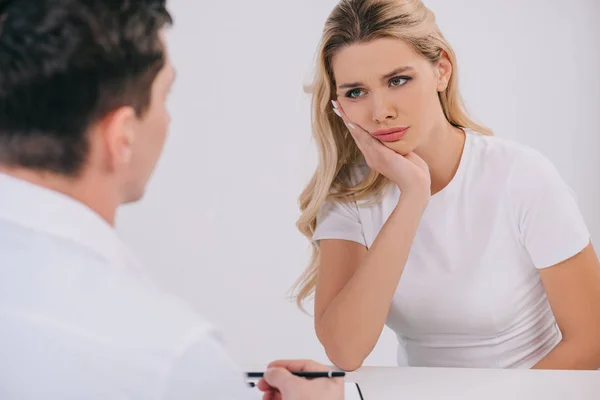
[350, 392]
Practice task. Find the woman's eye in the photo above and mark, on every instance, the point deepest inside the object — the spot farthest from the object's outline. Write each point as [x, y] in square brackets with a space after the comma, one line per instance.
[354, 93]
[398, 81]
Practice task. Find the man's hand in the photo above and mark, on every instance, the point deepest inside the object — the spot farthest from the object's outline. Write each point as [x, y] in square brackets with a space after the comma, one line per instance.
[279, 384]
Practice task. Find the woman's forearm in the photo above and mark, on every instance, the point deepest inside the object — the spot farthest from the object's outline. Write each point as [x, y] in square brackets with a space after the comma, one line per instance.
[351, 325]
[570, 356]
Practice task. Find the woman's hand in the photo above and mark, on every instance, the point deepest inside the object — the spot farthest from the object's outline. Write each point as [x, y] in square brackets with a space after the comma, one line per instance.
[409, 172]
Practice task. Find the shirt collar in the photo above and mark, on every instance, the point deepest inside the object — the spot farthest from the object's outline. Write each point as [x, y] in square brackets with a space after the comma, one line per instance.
[47, 211]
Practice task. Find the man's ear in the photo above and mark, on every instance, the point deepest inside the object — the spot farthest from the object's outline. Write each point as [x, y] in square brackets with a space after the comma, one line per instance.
[118, 134]
[443, 71]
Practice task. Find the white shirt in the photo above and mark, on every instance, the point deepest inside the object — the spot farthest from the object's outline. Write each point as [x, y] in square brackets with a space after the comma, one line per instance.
[78, 320]
[470, 294]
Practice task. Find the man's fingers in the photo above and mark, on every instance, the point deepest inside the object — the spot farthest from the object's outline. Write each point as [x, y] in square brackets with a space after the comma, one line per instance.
[272, 396]
[299, 365]
[280, 378]
[263, 386]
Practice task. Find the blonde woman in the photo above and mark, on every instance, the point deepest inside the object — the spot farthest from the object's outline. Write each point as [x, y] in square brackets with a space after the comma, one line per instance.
[470, 247]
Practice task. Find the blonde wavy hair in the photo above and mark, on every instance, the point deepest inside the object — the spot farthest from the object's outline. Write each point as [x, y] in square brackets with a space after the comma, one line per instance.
[360, 21]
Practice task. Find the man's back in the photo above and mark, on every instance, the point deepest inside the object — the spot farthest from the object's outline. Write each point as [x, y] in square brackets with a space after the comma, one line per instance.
[79, 322]
[83, 121]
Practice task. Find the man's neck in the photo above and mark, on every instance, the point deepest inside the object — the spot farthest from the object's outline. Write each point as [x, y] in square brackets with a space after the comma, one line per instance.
[83, 189]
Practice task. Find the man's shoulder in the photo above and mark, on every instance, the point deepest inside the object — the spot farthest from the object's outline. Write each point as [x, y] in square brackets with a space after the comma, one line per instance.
[146, 307]
[90, 294]
[64, 306]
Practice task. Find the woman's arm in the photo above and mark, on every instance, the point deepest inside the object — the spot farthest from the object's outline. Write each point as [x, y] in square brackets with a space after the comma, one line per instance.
[573, 289]
[355, 286]
[553, 231]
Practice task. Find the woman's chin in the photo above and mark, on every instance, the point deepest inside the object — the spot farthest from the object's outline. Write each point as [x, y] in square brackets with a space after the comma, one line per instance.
[401, 147]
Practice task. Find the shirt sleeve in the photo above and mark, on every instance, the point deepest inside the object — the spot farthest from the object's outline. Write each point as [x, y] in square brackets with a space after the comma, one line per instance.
[551, 226]
[204, 370]
[339, 220]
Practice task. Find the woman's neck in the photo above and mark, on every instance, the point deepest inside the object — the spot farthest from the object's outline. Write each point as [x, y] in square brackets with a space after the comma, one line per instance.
[442, 152]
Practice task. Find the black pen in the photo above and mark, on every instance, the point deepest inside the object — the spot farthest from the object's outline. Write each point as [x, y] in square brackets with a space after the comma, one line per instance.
[308, 375]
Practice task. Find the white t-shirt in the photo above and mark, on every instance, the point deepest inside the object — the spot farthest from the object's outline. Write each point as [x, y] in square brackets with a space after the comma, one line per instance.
[471, 294]
[78, 320]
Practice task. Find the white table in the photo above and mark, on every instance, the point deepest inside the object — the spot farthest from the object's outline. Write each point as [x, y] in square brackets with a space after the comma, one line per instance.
[381, 383]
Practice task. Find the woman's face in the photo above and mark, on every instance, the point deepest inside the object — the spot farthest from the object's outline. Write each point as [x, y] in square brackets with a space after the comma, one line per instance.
[390, 91]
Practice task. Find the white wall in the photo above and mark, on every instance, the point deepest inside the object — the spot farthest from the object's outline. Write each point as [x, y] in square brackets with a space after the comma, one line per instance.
[217, 226]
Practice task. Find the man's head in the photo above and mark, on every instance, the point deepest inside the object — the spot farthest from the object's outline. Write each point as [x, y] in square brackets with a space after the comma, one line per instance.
[83, 86]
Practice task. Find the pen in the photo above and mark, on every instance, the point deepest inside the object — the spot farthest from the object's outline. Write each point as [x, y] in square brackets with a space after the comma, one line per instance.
[308, 375]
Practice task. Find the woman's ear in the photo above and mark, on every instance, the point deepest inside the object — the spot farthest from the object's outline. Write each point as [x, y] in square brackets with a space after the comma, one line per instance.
[443, 72]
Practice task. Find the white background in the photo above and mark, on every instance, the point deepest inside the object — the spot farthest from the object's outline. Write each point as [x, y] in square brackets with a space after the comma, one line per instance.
[217, 226]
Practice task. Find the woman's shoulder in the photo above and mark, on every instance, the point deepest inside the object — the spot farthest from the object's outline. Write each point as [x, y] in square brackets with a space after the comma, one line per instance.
[498, 146]
[526, 169]
[496, 151]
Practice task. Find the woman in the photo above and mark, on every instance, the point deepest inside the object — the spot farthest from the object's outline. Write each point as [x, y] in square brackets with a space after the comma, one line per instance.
[471, 248]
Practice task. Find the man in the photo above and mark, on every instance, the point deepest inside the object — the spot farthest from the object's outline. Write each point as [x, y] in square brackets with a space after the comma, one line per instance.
[83, 85]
